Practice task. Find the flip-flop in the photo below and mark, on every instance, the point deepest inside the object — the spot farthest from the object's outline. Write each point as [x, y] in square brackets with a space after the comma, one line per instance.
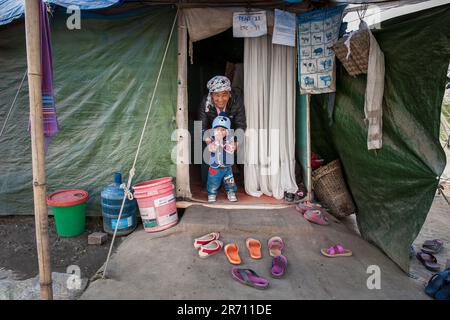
[254, 248]
[432, 246]
[299, 195]
[279, 265]
[336, 251]
[276, 246]
[249, 278]
[316, 216]
[232, 252]
[307, 205]
[428, 260]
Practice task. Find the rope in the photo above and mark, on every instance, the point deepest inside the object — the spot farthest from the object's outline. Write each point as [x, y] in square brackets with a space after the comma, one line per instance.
[362, 11]
[13, 103]
[127, 191]
[127, 187]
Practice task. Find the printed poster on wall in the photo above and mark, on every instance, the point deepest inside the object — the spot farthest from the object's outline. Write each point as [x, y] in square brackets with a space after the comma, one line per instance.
[317, 32]
[249, 24]
[284, 28]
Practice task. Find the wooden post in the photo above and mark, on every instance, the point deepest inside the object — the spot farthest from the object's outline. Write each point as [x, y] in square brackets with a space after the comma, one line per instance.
[37, 145]
[183, 140]
[308, 148]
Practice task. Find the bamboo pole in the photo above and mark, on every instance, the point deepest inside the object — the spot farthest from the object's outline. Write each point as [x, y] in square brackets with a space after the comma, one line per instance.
[37, 145]
[183, 146]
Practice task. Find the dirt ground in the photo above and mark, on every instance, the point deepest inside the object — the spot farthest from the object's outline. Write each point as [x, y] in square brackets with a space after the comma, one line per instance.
[18, 250]
[18, 247]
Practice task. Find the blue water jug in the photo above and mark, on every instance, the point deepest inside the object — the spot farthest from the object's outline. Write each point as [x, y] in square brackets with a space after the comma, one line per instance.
[112, 197]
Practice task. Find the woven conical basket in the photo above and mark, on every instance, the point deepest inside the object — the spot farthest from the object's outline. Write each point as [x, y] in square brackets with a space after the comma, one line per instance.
[330, 188]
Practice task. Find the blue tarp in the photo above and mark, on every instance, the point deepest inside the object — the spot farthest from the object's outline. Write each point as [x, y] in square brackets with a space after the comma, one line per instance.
[13, 9]
[10, 10]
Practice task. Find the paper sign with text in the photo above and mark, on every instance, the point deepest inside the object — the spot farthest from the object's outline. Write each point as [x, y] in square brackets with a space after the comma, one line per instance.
[284, 28]
[249, 24]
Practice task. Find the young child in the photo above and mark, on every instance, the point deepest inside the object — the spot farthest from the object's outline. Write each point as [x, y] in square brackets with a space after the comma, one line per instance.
[222, 147]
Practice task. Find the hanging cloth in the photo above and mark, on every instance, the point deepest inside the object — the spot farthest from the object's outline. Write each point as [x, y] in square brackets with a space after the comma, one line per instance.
[51, 125]
[269, 87]
[374, 94]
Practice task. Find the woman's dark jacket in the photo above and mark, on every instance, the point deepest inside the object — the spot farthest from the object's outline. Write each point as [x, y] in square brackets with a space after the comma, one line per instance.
[235, 110]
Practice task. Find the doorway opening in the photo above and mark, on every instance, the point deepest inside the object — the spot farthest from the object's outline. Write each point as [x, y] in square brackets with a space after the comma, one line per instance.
[218, 55]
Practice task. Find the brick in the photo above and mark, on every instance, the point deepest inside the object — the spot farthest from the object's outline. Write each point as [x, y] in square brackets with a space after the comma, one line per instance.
[97, 238]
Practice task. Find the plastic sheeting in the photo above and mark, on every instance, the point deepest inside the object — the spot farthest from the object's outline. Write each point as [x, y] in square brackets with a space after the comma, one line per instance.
[393, 187]
[10, 10]
[86, 4]
[13, 9]
[104, 76]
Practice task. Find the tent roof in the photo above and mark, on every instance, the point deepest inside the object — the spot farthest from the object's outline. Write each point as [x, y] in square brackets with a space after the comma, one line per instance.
[14, 9]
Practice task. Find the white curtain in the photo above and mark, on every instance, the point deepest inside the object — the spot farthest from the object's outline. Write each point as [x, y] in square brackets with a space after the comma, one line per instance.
[269, 91]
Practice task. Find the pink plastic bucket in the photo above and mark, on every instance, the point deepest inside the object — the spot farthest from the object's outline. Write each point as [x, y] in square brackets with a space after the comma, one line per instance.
[157, 205]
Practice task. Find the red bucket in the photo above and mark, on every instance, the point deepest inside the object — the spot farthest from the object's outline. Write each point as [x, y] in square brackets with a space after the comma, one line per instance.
[157, 204]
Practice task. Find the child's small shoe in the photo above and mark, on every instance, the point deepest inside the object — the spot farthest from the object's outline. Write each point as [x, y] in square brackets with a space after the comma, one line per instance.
[204, 240]
[210, 248]
[232, 196]
[211, 198]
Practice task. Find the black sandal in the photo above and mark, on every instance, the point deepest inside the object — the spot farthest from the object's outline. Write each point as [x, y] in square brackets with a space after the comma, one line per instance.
[289, 197]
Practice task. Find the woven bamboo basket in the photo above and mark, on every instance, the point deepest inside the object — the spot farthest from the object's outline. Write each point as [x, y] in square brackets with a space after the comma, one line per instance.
[330, 188]
[358, 61]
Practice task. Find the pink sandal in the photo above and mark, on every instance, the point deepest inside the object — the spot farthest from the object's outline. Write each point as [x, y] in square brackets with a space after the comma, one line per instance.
[307, 205]
[276, 246]
[316, 216]
[336, 251]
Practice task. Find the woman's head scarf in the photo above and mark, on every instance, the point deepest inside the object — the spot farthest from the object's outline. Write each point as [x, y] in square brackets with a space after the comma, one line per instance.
[216, 84]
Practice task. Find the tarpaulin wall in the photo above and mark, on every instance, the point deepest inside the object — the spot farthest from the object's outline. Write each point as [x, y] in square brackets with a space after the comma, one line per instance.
[393, 187]
[104, 75]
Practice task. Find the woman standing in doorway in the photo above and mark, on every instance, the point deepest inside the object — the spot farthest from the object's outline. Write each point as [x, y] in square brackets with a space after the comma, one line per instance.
[221, 98]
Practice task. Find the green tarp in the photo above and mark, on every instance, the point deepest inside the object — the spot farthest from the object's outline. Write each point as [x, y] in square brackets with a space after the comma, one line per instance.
[104, 75]
[393, 187]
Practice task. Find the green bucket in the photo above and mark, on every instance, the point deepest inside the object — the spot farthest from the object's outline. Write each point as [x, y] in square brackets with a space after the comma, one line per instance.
[69, 210]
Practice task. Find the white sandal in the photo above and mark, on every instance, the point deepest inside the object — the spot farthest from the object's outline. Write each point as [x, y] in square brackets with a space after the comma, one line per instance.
[198, 242]
[210, 248]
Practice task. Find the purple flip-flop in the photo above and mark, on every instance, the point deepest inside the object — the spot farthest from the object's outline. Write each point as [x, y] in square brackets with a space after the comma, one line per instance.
[316, 216]
[279, 265]
[432, 246]
[249, 278]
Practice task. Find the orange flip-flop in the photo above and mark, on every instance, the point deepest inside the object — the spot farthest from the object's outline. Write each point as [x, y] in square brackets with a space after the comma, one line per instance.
[232, 252]
[254, 248]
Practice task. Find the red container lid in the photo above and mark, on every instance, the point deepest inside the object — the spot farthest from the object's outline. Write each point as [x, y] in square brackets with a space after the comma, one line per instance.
[67, 198]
